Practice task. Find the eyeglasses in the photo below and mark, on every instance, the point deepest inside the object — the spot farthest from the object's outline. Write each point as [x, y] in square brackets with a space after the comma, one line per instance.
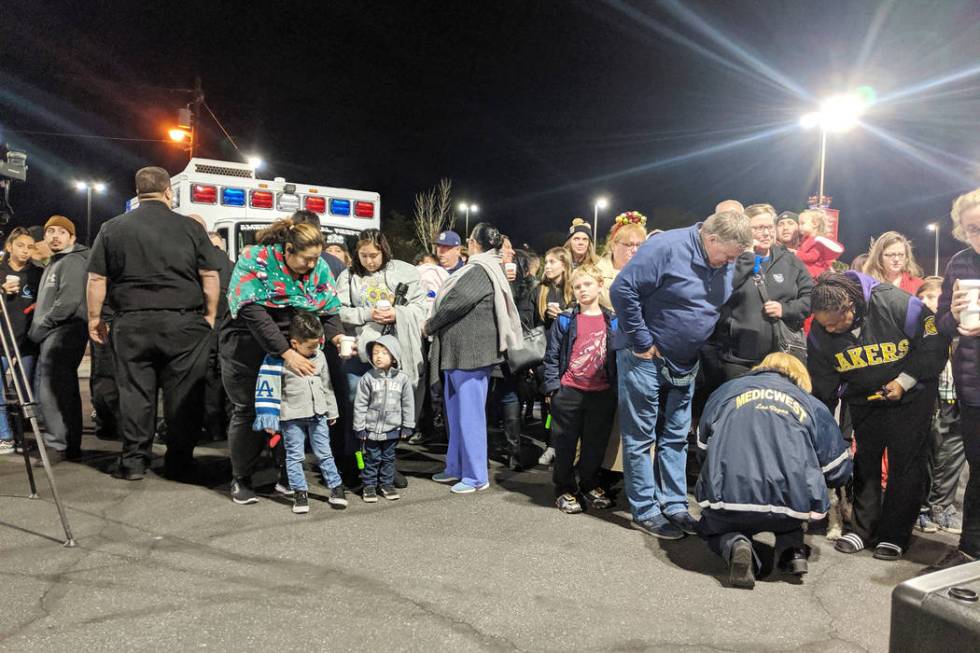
[764, 228]
[894, 255]
[629, 245]
[972, 231]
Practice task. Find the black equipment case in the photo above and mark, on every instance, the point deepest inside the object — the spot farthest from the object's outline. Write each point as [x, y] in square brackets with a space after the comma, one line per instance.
[938, 612]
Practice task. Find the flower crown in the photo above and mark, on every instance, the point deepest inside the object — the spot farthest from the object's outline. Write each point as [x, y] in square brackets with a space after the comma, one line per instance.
[631, 217]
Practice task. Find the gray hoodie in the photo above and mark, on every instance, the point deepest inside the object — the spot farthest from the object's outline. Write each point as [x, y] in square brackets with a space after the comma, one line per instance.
[61, 297]
[384, 406]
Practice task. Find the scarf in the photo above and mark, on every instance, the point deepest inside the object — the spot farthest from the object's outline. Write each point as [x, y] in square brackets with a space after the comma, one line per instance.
[261, 277]
[268, 394]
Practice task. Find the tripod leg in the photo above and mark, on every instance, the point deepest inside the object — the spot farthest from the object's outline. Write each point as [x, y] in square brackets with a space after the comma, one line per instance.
[42, 450]
[19, 440]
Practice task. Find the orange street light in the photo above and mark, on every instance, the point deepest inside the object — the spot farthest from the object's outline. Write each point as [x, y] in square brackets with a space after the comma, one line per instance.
[178, 135]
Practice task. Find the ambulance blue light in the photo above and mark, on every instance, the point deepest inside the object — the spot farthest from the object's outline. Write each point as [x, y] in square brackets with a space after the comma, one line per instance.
[339, 207]
[233, 197]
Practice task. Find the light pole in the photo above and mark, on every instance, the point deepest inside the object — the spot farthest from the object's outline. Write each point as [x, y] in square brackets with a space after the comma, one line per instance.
[934, 227]
[466, 208]
[88, 187]
[600, 203]
[836, 114]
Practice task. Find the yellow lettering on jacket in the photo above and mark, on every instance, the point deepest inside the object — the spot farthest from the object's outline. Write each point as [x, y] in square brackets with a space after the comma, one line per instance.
[769, 395]
[871, 355]
[856, 360]
[889, 351]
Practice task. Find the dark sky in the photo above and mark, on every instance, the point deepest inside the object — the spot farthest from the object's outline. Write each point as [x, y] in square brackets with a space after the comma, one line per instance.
[532, 108]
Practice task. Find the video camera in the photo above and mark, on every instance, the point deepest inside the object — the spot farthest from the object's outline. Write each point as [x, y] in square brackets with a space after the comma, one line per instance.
[13, 167]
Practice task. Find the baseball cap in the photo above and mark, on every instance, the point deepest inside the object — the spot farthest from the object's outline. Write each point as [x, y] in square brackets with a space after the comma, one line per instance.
[335, 239]
[449, 239]
[788, 215]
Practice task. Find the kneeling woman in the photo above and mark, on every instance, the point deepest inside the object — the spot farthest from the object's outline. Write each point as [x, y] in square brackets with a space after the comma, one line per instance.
[877, 347]
[772, 450]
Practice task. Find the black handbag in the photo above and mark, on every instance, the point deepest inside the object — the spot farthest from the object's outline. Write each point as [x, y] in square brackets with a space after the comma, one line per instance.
[532, 355]
[785, 339]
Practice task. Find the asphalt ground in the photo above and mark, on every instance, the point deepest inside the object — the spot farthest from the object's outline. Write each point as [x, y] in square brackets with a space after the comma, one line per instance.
[167, 566]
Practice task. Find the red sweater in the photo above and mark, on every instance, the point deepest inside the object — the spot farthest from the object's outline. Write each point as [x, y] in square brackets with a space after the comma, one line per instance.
[818, 252]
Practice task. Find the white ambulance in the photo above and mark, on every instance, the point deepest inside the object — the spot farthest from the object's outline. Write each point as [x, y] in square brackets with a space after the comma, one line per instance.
[237, 205]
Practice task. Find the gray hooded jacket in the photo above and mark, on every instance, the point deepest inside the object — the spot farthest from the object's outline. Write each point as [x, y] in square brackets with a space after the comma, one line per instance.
[61, 297]
[384, 406]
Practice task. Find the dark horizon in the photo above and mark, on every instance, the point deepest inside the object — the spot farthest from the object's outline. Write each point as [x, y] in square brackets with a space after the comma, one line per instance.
[532, 108]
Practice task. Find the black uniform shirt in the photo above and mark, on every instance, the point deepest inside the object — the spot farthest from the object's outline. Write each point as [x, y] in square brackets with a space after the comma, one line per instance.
[151, 257]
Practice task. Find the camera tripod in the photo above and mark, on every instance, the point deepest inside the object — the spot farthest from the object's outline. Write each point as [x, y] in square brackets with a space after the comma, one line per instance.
[23, 408]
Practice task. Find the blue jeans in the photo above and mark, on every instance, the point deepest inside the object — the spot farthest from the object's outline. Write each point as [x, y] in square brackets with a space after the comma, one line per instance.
[294, 435]
[654, 462]
[379, 463]
[5, 432]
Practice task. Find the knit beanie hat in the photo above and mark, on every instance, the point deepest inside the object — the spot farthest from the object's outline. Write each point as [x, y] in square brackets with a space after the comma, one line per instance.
[579, 226]
[787, 215]
[60, 221]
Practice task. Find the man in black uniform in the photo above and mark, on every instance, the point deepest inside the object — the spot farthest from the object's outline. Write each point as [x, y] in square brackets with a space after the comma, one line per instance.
[158, 270]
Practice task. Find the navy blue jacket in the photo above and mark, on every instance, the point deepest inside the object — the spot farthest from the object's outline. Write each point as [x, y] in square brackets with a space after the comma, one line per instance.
[669, 296]
[966, 354]
[561, 336]
[772, 448]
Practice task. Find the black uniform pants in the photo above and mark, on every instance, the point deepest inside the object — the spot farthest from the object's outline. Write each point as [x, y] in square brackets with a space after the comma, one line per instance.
[947, 458]
[722, 529]
[575, 416]
[102, 387]
[166, 349]
[56, 379]
[903, 429]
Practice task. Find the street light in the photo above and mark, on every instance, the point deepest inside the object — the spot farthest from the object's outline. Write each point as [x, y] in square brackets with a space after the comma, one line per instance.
[837, 114]
[255, 161]
[600, 203]
[934, 227]
[87, 187]
[466, 209]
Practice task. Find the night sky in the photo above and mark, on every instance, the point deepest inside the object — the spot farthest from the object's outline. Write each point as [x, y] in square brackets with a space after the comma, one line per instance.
[532, 108]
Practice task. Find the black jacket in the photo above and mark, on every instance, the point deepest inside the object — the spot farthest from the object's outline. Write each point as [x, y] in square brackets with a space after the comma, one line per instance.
[744, 332]
[561, 336]
[897, 337]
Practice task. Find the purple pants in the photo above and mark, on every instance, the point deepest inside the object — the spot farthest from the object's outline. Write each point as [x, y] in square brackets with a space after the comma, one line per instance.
[465, 395]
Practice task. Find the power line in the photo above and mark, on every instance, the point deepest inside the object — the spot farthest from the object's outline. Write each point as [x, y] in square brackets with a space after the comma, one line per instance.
[93, 136]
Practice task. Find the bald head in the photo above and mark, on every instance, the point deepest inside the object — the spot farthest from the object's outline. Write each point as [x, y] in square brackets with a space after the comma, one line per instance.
[729, 205]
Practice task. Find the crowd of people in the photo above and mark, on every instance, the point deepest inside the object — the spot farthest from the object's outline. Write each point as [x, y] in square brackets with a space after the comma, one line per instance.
[811, 390]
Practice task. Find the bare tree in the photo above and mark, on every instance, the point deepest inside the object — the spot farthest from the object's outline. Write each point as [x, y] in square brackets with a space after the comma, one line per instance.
[433, 213]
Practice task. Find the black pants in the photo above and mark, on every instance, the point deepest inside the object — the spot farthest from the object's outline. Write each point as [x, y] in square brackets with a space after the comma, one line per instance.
[946, 459]
[217, 407]
[169, 350]
[970, 427]
[904, 430]
[238, 376]
[580, 416]
[722, 529]
[103, 390]
[56, 378]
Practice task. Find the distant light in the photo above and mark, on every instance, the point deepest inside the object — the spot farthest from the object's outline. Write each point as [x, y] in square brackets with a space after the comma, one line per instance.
[810, 120]
[474, 208]
[81, 185]
[932, 226]
[178, 135]
[601, 203]
[463, 206]
[840, 112]
[99, 187]
[256, 162]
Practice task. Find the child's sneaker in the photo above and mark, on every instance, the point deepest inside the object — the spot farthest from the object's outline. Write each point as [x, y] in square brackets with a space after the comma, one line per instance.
[369, 494]
[338, 497]
[6, 446]
[925, 524]
[390, 493]
[283, 489]
[547, 457]
[948, 519]
[568, 504]
[597, 498]
[301, 503]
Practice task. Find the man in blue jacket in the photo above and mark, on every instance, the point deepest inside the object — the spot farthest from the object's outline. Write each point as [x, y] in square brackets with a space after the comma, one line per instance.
[667, 300]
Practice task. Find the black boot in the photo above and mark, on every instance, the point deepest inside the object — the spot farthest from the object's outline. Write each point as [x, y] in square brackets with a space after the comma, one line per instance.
[512, 430]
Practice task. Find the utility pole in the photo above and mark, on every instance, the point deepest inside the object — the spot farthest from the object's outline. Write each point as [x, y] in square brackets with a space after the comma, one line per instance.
[196, 114]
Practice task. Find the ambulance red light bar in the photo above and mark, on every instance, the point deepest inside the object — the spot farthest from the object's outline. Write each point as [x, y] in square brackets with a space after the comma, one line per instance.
[201, 194]
[261, 199]
[364, 209]
[315, 204]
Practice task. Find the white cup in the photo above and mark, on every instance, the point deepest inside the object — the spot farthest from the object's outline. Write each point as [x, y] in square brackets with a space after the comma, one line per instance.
[347, 346]
[383, 305]
[510, 268]
[970, 317]
[13, 278]
[554, 305]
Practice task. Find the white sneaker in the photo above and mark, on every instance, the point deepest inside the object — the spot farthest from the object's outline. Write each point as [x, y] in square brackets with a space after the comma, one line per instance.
[547, 457]
[6, 446]
[284, 490]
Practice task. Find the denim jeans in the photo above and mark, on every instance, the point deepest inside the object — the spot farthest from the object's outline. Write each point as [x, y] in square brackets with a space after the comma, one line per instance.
[294, 435]
[5, 432]
[654, 463]
[379, 463]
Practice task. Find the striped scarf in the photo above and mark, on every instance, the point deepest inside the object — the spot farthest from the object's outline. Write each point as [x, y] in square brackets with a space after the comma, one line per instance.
[268, 394]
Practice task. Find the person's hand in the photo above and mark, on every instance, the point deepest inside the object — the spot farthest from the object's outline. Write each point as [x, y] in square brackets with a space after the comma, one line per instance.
[773, 309]
[969, 333]
[383, 315]
[553, 312]
[98, 330]
[270, 431]
[11, 287]
[959, 302]
[893, 391]
[298, 364]
[425, 334]
[649, 354]
[336, 340]
[331, 422]
[210, 319]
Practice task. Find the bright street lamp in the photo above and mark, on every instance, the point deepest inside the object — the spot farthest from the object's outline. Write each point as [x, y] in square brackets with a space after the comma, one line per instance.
[467, 209]
[837, 114]
[255, 161]
[87, 187]
[934, 227]
[600, 203]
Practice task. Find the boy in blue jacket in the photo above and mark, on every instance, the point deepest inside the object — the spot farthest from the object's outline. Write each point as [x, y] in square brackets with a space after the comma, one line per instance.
[579, 377]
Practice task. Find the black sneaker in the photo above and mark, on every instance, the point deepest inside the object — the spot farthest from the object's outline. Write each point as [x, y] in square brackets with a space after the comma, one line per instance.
[400, 480]
[338, 498]
[953, 558]
[793, 561]
[390, 493]
[301, 502]
[685, 522]
[660, 528]
[597, 498]
[242, 492]
[740, 571]
[369, 494]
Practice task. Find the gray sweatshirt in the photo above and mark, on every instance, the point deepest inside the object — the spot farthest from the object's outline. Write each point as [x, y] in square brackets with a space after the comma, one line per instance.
[384, 406]
[61, 297]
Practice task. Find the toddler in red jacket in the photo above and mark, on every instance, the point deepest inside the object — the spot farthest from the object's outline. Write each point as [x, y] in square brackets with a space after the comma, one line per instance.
[817, 251]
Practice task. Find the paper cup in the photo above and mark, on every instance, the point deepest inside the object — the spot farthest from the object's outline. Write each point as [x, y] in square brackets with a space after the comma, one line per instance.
[510, 268]
[554, 305]
[383, 305]
[13, 278]
[347, 346]
[970, 317]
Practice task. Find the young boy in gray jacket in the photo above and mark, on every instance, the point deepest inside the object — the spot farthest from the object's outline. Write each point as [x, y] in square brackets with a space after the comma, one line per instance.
[384, 411]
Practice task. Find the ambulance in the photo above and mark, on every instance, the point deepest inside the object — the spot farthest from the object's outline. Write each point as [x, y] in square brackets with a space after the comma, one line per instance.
[237, 205]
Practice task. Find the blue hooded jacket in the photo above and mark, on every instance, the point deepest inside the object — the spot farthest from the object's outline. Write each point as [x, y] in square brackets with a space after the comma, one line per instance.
[771, 448]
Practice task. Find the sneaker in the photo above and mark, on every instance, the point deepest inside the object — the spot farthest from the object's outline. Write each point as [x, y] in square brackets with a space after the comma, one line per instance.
[369, 494]
[463, 488]
[443, 477]
[948, 520]
[925, 524]
[401, 481]
[794, 561]
[887, 551]
[242, 492]
[547, 457]
[597, 499]
[660, 528]
[301, 502]
[740, 571]
[684, 521]
[568, 504]
[283, 489]
[390, 493]
[338, 497]
[6, 446]
[128, 474]
[953, 558]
